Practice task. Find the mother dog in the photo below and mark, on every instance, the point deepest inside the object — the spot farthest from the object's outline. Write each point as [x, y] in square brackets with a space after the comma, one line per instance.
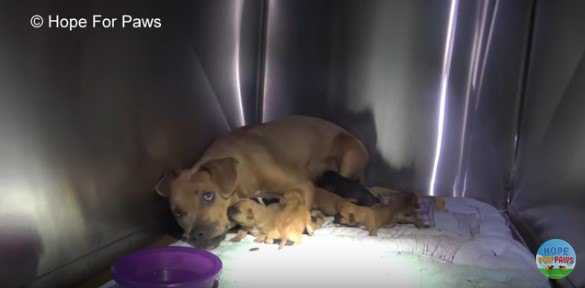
[284, 155]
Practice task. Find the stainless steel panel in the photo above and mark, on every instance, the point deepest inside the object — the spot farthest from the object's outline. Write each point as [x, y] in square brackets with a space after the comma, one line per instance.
[550, 182]
[90, 118]
[389, 70]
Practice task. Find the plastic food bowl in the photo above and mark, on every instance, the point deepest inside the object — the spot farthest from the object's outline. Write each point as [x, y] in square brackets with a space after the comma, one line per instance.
[167, 267]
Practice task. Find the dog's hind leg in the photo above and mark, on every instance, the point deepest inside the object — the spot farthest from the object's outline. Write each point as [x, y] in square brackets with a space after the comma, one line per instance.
[282, 243]
[261, 238]
[296, 238]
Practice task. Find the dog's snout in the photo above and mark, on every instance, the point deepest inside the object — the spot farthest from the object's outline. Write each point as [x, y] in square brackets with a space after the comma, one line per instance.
[197, 234]
[200, 233]
[203, 232]
[233, 211]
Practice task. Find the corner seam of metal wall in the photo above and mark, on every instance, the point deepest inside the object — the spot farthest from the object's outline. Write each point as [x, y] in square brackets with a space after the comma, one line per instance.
[261, 56]
[519, 228]
[511, 181]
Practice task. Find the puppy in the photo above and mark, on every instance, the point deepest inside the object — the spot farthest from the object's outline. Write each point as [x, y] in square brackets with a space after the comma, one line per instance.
[370, 217]
[293, 219]
[286, 221]
[379, 215]
[346, 188]
[269, 198]
[253, 218]
[404, 202]
[327, 202]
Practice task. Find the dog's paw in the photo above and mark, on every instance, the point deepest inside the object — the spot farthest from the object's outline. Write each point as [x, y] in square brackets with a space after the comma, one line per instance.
[235, 239]
[373, 233]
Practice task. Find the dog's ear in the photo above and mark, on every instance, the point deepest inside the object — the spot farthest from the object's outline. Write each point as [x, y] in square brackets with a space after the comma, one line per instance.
[224, 174]
[163, 186]
[250, 214]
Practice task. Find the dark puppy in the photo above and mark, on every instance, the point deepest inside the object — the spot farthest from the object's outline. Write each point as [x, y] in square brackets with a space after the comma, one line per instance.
[346, 188]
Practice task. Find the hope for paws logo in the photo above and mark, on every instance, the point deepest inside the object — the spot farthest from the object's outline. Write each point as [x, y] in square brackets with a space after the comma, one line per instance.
[556, 259]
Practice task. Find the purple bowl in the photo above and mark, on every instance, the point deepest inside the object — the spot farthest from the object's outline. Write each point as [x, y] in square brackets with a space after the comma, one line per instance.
[167, 267]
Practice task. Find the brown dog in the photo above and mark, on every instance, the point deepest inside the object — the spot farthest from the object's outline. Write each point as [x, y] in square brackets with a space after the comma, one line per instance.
[401, 210]
[281, 156]
[285, 221]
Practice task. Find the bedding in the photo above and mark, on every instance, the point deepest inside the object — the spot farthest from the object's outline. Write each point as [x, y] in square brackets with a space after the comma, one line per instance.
[469, 245]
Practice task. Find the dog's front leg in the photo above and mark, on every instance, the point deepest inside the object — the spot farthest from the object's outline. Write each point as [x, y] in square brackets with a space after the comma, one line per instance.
[307, 190]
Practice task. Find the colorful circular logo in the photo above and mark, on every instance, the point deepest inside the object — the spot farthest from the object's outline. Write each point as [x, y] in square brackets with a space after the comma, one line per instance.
[556, 259]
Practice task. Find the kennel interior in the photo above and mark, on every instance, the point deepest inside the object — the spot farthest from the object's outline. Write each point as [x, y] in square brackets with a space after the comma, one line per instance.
[478, 101]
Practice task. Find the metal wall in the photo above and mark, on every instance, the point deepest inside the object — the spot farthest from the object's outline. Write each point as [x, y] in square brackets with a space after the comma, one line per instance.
[90, 118]
[430, 87]
[550, 172]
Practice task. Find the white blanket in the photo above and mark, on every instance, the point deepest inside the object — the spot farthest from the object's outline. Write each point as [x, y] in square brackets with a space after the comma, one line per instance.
[470, 246]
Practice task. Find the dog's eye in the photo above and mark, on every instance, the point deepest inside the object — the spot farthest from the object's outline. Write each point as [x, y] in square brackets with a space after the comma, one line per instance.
[208, 196]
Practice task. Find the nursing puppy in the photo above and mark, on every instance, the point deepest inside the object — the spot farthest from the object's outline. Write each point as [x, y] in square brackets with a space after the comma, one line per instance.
[327, 202]
[254, 218]
[286, 221]
[346, 188]
[402, 210]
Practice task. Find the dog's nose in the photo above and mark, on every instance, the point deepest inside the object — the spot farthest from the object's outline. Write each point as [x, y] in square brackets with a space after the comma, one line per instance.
[203, 232]
[233, 211]
[198, 234]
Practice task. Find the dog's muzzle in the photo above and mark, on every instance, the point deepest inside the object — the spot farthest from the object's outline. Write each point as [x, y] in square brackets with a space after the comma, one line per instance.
[204, 236]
